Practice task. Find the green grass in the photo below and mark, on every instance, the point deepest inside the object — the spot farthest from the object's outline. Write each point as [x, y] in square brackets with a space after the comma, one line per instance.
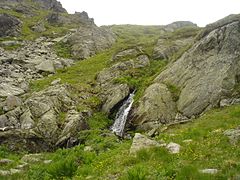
[110, 157]
[79, 74]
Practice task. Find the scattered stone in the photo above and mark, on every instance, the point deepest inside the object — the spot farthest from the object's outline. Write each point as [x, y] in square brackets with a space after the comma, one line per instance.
[88, 148]
[32, 158]
[209, 171]
[15, 171]
[125, 53]
[5, 173]
[233, 135]
[187, 140]
[173, 148]
[46, 66]
[5, 161]
[9, 172]
[22, 166]
[153, 132]
[47, 161]
[56, 81]
[142, 142]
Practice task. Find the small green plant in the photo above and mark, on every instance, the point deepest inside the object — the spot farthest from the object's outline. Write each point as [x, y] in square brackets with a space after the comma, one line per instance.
[99, 121]
[137, 173]
[174, 90]
[63, 49]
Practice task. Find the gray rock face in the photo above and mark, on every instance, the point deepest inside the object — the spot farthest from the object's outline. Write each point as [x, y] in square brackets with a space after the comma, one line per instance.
[18, 68]
[113, 93]
[89, 40]
[205, 74]
[9, 25]
[156, 107]
[36, 120]
[75, 122]
[164, 50]
[51, 5]
[9, 90]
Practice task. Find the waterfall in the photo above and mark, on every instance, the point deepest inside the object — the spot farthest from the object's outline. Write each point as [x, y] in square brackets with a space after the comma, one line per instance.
[121, 116]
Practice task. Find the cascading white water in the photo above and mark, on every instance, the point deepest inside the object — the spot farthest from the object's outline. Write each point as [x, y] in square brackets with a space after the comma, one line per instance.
[121, 116]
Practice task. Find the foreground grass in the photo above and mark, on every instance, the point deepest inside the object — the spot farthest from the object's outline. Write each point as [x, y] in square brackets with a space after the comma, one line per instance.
[110, 158]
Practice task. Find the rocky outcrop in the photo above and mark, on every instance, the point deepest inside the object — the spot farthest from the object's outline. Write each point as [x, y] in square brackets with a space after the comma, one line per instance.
[156, 106]
[89, 40]
[37, 120]
[165, 49]
[114, 93]
[19, 67]
[53, 5]
[205, 74]
[9, 25]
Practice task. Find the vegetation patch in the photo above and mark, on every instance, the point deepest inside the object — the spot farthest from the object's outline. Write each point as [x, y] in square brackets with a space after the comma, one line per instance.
[174, 90]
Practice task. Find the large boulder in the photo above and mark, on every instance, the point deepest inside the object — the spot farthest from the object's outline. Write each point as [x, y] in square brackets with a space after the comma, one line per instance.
[156, 106]
[207, 73]
[9, 25]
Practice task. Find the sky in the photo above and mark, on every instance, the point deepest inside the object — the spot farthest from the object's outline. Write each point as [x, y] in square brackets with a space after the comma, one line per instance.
[153, 12]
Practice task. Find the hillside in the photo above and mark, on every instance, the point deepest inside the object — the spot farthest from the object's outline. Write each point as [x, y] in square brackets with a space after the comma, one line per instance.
[64, 81]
